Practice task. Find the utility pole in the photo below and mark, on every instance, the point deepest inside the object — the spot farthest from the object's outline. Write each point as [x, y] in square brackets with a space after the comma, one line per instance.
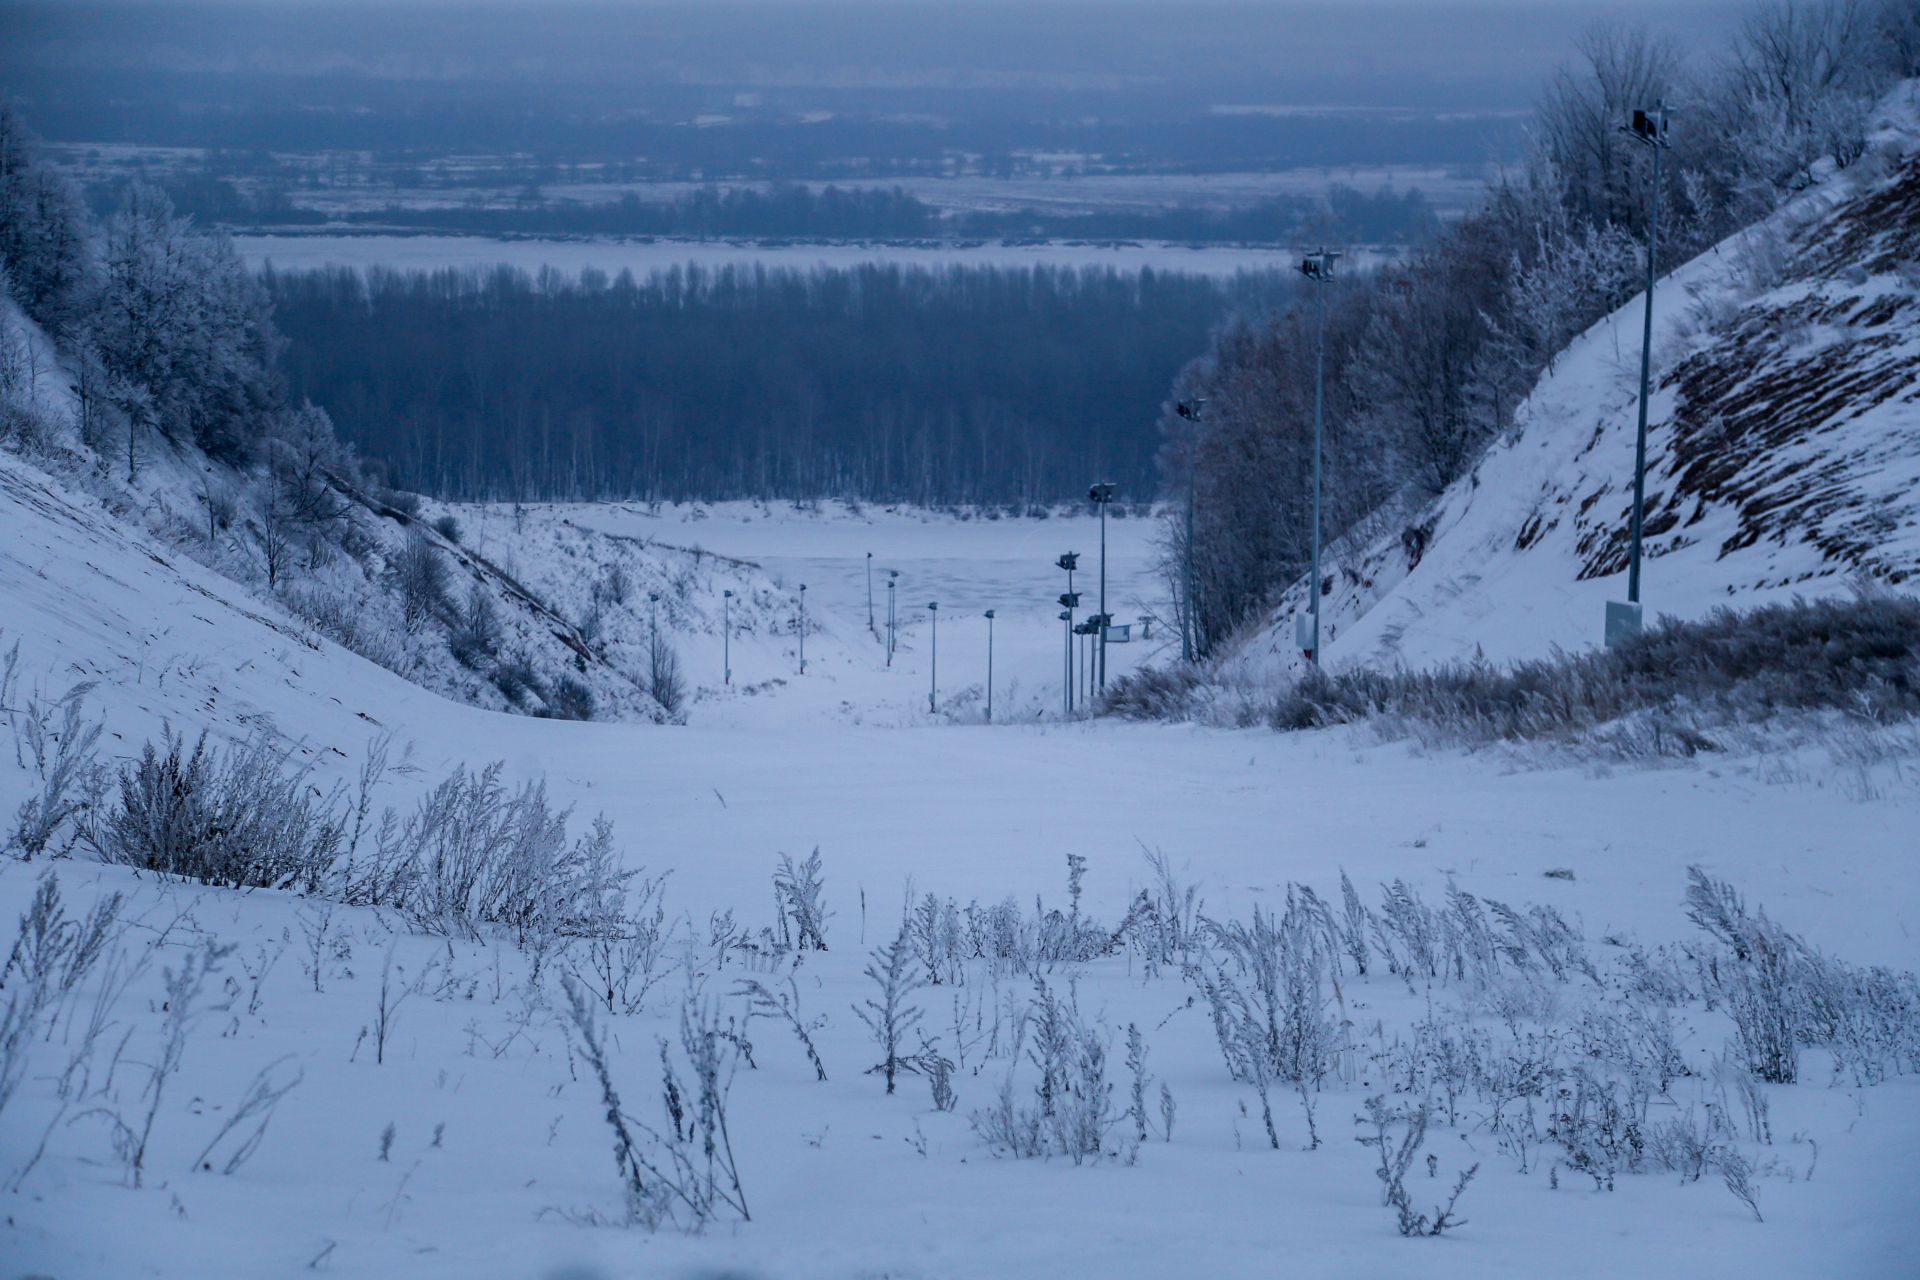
[870, 628]
[989, 666]
[726, 637]
[1650, 129]
[1190, 410]
[1317, 267]
[803, 628]
[933, 685]
[1101, 496]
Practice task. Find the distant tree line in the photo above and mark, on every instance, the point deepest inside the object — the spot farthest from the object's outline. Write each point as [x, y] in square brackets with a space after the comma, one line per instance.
[1427, 360]
[956, 385]
[793, 211]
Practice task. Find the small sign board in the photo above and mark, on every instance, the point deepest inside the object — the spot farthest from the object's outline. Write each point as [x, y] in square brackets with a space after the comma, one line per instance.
[1623, 621]
[1119, 633]
[1303, 630]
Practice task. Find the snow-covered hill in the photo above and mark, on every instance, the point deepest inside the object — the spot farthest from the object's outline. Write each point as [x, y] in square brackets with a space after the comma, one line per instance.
[1783, 449]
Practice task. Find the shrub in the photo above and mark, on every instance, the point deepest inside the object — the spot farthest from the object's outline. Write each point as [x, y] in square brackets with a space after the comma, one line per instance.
[569, 699]
[245, 817]
[664, 681]
[1860, 657]
[448, 528]
[1153, 693]
[1072, 1110]
[474, 853]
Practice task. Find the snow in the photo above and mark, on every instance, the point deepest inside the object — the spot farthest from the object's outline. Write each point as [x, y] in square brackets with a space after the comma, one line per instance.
[967, 566]
[833, 1171]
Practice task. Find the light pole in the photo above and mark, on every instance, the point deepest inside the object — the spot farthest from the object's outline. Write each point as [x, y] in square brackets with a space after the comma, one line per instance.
[1069, 601]
[1317, 267]
[893, 580]
[803, 628]
[726, 637]
[1066, 684]
[933, 667]
[989, 666]
[1650, 129]
[1101, 495]
[1190, 410]
[870, 628]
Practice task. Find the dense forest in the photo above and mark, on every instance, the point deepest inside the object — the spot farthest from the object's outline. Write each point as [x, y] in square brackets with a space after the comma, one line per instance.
[959, 385]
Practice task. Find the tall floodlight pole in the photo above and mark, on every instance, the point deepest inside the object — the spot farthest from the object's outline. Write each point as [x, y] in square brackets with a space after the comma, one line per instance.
[1101, 495]
[1069, 601]
[933, 679]
[1066, 682]
[1190, 410]
[1317, 267]
[893, 627]
[803, 628]
[726, 637]
[870, 629]
[1650, 129]
[989, 666]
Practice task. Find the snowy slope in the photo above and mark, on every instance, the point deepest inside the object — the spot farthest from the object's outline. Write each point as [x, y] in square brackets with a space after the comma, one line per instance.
[1783, 449]
[499, 1149]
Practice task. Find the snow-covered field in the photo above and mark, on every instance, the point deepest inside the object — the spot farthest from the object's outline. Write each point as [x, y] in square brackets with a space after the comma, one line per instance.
[966, 566]
[644, 257]
[472, 1141]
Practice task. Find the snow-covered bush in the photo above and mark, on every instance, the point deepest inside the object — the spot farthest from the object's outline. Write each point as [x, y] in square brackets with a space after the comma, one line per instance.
[1264, 987]
[681, 1171]
[890, 1016]
[1396, 1161]
[246, 816]
[475, 853]
[799, 889]
[56, 740]
[1071, 1112]
[1859, 657]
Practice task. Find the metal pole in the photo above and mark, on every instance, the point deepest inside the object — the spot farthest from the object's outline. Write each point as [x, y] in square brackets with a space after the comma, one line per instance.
[869, 593]
[1186, 629]
[1646, 356]
[1319, 380]
[989, 666]
[933, 686]
[1066, 683]
[726, 637]
[1103, 587]
[1071, 688]
[803, 628]
[892, 625]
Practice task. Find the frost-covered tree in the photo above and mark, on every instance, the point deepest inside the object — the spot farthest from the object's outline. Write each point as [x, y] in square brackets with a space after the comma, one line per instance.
[180, 316]
[43, 231]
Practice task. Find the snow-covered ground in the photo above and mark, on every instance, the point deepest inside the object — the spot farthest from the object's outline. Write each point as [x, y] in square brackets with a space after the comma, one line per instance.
[966, 566]
[499, 1155]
